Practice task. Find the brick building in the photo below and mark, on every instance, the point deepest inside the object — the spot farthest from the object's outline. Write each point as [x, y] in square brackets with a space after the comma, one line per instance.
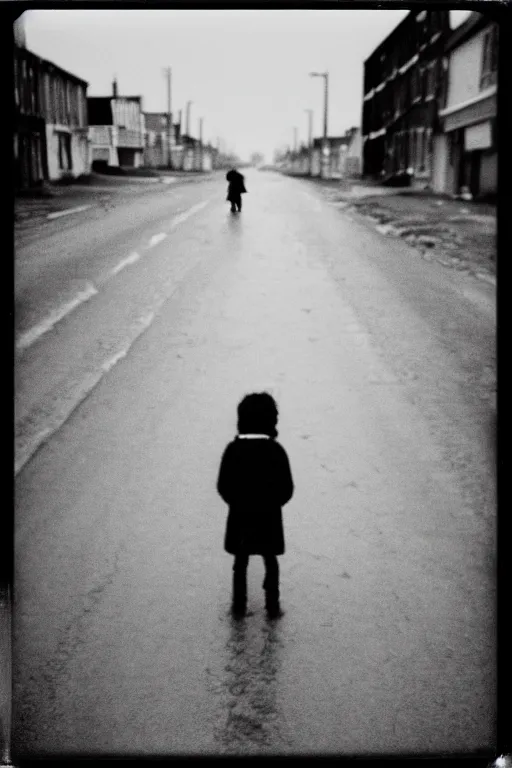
[402, 80]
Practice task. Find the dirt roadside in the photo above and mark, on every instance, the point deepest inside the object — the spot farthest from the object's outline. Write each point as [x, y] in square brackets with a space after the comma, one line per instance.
[460, 235]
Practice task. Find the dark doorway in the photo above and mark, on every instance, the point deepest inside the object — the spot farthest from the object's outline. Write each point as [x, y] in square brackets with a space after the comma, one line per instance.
[474, 173]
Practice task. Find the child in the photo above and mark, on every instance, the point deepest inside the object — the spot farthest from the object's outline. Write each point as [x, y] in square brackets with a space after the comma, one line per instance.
[255, 481]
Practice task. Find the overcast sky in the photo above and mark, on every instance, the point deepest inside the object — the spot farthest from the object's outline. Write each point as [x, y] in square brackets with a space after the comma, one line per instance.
[246, 71]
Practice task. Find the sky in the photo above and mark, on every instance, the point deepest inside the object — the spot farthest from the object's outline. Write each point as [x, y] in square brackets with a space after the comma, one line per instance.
[246, 72]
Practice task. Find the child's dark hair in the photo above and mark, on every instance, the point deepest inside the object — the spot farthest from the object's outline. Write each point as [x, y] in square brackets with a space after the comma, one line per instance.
[257, 413]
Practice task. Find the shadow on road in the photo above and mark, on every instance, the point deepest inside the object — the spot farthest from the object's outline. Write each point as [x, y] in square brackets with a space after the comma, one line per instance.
[234, 222]
[249, 686]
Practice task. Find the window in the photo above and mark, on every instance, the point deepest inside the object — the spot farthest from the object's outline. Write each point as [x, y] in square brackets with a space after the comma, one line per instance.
[421, 149]
[415, 84]
[489, 58]
[431, 81]
[82, 106]
[16, 86]
[400, 149]
[429, 148]
[67, 101]
[366, 118]
[421, 82]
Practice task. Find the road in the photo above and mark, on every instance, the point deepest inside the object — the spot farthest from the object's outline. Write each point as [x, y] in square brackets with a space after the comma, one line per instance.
[138, 330]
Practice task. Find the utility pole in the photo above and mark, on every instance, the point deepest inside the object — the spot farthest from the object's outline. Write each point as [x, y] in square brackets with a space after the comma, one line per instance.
[310, 140]
[200, 143]
[169, 117]
[325, 149]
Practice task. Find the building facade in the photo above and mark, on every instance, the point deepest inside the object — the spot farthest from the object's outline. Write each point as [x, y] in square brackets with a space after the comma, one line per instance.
[343, 156]
[337, 148]
[196, 155]
[353, 157]
[402, 81]
[116, 129]
[50, 136]
[465, 151]
[65, 112]
[157, 141]
[30, 156]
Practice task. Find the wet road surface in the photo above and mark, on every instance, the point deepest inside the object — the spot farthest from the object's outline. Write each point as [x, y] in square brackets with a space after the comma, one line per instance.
[383, 368]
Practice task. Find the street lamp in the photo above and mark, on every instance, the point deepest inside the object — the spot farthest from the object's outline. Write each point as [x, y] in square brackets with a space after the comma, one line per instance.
[325, 150]
[310, 139]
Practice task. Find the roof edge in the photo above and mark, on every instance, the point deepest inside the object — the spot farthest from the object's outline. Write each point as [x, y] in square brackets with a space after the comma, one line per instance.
[47, 64]
[473, 24]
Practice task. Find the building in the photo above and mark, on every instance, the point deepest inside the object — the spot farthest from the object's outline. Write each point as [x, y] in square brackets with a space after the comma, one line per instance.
[65, 112]
[343, 155]
[342, 160]
[197, 155]
[402, 80]
[157, 141]
[116, 129]
[337, 148]
[50, 135]
[207, 158]
[465, 150]
[30, 157]
[190, 155]
[353, 157]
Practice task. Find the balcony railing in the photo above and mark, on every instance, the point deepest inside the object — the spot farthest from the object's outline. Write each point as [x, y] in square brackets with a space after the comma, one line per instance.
[114, 136]
[127, 137]
[101, 134]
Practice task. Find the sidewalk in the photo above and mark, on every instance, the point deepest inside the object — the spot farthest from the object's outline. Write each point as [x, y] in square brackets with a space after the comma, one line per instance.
[457, 234]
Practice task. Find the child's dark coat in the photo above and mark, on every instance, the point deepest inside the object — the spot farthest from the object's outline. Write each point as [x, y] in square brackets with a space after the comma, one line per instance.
[236, 186]
[255, 481]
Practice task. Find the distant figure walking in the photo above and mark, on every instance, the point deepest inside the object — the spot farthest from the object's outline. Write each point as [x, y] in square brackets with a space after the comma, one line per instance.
[255, 481]
[236, 189]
